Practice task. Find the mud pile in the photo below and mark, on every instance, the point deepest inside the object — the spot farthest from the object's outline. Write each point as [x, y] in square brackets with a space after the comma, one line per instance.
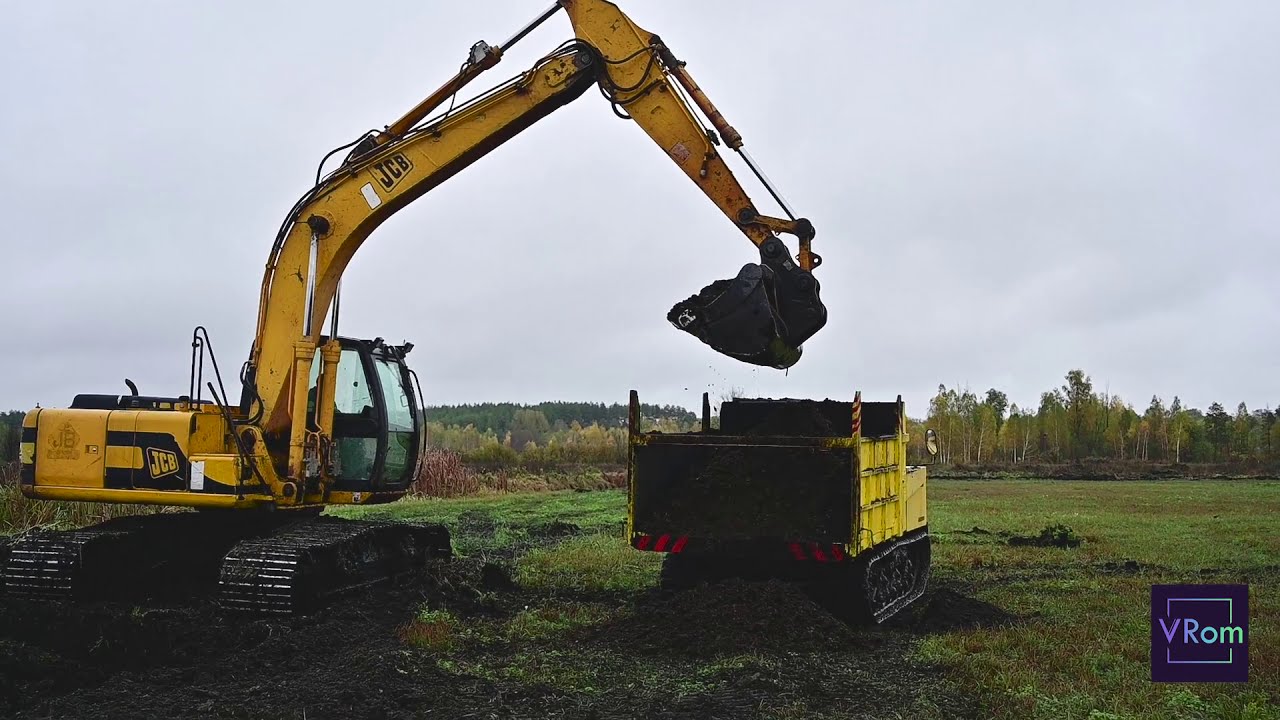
[732, 617]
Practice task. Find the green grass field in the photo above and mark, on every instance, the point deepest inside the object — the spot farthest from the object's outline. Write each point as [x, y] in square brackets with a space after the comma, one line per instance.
[1082, 650]
[1079, 648]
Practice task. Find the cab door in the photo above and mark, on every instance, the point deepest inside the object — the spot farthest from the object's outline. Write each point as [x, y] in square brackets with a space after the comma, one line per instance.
[376, 426]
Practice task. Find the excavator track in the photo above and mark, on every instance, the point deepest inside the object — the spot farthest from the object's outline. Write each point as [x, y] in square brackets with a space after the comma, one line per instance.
[46, 565]
[270, 562]
[303, 566]
[148, 556]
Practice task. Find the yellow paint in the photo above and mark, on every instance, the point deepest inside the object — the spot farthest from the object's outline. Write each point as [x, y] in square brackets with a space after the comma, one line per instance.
[62, 437]
[149, 497]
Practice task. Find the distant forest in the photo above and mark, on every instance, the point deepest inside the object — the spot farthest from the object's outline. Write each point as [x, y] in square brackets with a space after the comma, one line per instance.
[498, 417]
[1070, 422]
[1075, 422]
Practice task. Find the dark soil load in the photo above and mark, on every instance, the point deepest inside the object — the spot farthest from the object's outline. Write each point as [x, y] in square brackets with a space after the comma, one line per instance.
[741, 493]
[803, 418]
[753, 491]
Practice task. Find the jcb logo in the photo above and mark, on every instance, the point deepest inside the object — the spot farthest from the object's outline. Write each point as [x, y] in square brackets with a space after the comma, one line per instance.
[161, 462]
[390, 170]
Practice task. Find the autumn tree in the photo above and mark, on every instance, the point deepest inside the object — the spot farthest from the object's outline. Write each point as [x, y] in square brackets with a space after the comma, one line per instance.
[1218, 429]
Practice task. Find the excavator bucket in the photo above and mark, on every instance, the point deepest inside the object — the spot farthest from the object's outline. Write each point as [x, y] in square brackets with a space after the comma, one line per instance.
[761, 316]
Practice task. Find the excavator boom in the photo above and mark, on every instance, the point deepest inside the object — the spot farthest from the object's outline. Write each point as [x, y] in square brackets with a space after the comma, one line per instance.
[325, 419]
[762, 316]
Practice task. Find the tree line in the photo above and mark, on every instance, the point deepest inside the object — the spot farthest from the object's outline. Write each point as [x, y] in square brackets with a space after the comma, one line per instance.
[501, 417]
[532, 440]
[1075, 422]
[1070, 422]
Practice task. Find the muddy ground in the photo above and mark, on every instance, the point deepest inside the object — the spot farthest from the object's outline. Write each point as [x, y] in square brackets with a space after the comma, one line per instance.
[732, 650]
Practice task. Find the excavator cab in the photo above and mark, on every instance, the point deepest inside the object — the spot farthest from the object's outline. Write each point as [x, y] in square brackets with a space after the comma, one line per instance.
[377, 423]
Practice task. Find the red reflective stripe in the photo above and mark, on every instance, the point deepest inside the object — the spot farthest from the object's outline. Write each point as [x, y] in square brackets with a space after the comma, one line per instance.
[642, 542]
[797, 551]
[662, 543]
[837, 552]
[817, 552]
[680, 543]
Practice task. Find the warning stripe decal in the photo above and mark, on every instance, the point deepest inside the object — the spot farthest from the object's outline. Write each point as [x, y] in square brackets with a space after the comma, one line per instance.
[818, 552]
[664, 543]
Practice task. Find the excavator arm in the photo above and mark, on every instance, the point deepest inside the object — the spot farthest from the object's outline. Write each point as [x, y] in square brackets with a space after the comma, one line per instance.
[294, 443]
[762, 316]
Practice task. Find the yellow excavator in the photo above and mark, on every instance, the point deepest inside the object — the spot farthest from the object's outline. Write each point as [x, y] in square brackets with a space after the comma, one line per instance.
[328, 420]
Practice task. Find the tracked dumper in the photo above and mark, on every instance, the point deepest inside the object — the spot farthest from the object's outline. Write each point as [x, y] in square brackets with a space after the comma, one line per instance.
[814, 492]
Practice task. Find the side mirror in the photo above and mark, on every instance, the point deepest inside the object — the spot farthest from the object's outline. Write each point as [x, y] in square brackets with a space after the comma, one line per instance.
[931, 445]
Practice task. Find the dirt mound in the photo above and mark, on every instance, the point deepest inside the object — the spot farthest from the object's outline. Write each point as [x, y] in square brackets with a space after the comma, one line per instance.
[1059, 536]
[116, 661]
[945, 610]
[732, 616]
[496, 578]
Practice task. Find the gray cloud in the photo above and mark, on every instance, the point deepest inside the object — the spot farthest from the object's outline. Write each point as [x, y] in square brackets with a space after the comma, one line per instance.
[1002, 192]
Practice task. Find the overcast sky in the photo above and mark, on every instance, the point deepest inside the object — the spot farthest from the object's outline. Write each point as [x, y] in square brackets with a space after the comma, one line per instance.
[1002, 191]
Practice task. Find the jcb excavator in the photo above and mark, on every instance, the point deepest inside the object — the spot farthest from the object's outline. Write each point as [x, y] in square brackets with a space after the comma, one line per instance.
[327, 420]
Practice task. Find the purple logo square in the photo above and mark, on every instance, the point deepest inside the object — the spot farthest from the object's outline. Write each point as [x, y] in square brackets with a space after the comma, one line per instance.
[1200, 633]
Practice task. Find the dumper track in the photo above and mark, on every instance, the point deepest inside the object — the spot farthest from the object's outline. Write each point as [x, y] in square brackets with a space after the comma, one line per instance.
[895, 575]
[300, 567]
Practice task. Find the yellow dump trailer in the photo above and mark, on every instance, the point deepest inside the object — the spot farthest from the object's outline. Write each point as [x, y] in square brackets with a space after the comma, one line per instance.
[817, 492]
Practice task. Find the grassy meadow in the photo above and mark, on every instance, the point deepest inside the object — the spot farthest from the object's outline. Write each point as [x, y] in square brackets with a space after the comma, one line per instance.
[1079, 645]
[575, 610]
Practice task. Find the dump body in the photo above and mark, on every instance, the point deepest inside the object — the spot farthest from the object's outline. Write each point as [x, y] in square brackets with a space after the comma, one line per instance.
[828, 480]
